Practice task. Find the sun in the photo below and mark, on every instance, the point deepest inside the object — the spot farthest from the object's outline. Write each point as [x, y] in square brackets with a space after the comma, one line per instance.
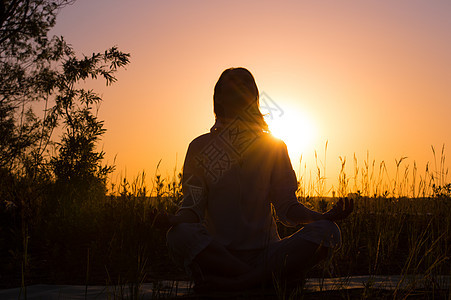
[294, 127]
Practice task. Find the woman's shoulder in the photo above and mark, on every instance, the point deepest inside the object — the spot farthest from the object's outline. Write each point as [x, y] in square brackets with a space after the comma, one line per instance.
[201, 140]
[272, 141]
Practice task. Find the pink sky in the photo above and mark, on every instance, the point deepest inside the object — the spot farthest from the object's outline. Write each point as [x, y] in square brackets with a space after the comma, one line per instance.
[364, 75]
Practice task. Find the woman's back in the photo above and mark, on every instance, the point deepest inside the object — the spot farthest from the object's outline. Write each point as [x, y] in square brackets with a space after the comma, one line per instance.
[239, 177]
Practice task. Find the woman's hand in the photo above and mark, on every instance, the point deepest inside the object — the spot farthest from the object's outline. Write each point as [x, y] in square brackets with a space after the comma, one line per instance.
[341, 210]
[164, 219]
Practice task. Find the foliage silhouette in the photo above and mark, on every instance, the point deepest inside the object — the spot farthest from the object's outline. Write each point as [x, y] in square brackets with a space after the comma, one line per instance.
[77, 158]
[33, 68]
[44, 195]
[27, 61]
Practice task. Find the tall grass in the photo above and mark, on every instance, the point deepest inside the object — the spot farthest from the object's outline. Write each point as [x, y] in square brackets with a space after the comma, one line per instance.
[401, 225]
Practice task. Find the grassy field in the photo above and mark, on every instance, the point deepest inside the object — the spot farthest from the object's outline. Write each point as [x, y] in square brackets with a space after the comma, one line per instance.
[86, 235]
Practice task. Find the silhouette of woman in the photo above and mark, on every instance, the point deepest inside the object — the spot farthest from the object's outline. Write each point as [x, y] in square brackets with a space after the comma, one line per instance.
[234, 178]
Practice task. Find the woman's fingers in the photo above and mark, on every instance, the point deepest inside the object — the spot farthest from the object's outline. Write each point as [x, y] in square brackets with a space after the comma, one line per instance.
[163, 219]
[341, 210]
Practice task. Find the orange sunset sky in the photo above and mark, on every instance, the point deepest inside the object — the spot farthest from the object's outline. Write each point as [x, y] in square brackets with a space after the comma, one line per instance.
[363, 75]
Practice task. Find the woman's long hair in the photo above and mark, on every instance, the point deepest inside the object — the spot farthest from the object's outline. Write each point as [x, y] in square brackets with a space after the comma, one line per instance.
[236, 95]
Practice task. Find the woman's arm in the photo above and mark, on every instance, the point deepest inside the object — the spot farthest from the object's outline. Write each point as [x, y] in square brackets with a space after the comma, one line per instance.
[166, 220]
[283, 189]
[194, 190]
[301, 215]
[183, 216]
